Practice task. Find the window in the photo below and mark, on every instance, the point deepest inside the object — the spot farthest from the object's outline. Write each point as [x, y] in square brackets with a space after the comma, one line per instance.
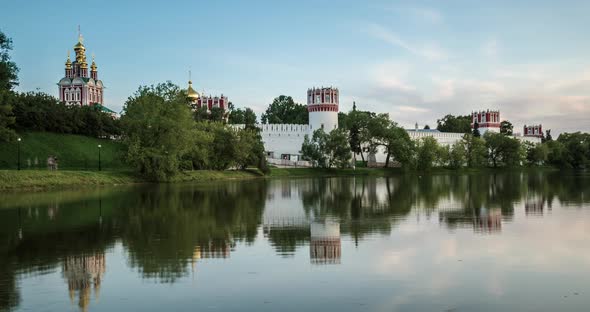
[327, 97]
[318, 99]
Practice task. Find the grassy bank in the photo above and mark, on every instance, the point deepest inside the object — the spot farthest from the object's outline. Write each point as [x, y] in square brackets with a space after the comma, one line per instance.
[43, 179]
[73, 151]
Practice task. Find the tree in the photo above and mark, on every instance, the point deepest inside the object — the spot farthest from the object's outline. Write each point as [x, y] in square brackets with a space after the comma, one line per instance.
[158, 130]
[457, 155]
[548, 136]
[249, 117]
[426, 127]
[476, 130]
[6, 116]
[426, 152]
[536, 154]
[327, 150]
[475, 151]
[503, 150]
[236, 117]
[577, 149]
[458, 124]
[396, 141]
[8, 69]
[283, 110]
[357, 125]
[506, 127]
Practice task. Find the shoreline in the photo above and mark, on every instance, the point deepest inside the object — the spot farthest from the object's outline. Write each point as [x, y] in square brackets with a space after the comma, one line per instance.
[41, 180]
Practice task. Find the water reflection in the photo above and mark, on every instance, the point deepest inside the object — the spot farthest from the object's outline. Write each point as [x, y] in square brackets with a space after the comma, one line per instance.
[165, 230]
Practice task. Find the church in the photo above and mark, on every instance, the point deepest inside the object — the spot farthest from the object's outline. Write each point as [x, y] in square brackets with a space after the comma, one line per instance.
[80, 86]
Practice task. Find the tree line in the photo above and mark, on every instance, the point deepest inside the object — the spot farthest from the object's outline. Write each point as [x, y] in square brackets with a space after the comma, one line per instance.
[368, 132]
[165, 136]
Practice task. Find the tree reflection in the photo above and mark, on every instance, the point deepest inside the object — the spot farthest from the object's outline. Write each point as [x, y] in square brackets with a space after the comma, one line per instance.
[165, 229]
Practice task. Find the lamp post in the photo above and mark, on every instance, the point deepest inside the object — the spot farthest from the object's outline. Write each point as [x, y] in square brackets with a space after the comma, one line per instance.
[18, 153]
[99, 166]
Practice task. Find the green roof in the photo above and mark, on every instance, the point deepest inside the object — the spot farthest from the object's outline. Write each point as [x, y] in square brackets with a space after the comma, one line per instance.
[105, 109]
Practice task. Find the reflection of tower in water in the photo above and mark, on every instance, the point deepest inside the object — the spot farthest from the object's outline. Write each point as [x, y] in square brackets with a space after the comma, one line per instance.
[534, 205]
[488, 220]
[83, 273]
[325, 244]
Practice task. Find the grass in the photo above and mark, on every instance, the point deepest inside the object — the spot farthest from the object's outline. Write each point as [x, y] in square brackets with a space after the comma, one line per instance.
[44, 179]
[73, 152]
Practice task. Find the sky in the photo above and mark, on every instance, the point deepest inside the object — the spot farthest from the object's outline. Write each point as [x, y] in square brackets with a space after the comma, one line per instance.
[416, 60]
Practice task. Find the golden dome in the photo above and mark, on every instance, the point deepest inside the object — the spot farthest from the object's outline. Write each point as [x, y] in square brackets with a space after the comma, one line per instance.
[68, 62]
[79, 46]
[93, 65]
[191, 92]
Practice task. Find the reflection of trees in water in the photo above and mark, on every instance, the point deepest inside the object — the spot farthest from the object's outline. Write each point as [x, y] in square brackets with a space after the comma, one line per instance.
[165, 225]
[165, 228]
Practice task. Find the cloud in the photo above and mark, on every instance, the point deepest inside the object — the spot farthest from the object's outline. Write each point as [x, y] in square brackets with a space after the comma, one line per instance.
[490, 48]
[525, 94]
[429, 51]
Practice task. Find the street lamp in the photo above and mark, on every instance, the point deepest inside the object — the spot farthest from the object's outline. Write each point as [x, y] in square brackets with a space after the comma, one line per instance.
[99, 167]
[18, 157]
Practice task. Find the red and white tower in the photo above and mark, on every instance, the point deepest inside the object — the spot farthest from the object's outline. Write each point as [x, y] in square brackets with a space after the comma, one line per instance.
[322, 105]
[533, 131]
[486, 121]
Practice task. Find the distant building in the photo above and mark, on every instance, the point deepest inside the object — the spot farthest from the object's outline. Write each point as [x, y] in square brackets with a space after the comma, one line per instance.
[486, 121]
[533, 131]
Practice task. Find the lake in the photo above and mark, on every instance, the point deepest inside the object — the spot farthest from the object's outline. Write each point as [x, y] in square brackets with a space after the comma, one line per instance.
[473, 242]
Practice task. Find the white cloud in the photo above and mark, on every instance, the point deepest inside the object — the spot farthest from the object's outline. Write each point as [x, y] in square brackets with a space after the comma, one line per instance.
[490, 48]
[430, 51]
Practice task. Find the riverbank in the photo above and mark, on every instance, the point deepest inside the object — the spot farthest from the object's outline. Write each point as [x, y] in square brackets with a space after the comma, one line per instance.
[43, 179]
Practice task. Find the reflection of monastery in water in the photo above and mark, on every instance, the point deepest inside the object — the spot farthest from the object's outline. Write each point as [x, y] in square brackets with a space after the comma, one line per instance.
[215, 249]
[84, 273]
[325, 244]
[534, 205]
[481, 219]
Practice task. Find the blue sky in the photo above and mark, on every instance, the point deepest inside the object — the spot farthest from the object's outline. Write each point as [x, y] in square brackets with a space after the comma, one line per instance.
[417, 60]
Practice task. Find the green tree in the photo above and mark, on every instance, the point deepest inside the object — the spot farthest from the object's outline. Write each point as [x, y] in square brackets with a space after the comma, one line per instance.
[426, 152]
[338, 148]
[283, 110]
[503, 150]
[577, 149]
[536, 154]
[249, 148]
[327, 150]
[236, 117]
[6, 116]
[475, 151]
[249, 117]
[396, 140]
[457, 155]
[8, 69]
[451, 123]
[158, 130]
[506, 127]
[358, 136]
[475, 131]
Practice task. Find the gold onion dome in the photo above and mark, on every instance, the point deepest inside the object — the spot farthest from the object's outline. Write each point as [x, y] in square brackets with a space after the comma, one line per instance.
[93, 65]
[191, 92]
[68, 62]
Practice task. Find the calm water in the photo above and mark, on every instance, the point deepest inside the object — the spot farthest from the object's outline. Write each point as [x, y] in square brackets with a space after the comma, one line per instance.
[499, 242]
